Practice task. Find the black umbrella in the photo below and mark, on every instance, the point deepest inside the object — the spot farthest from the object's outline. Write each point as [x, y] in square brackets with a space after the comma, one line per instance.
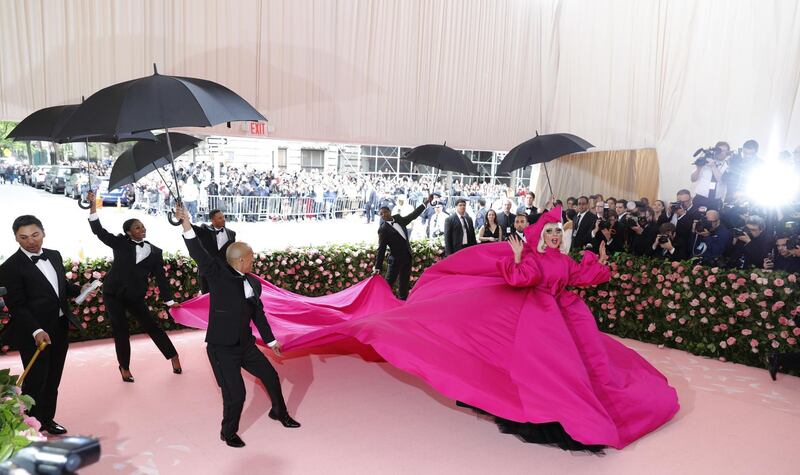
[46, 124]
[542, 149]
[144, 157]
[158, 102]
[441, 157]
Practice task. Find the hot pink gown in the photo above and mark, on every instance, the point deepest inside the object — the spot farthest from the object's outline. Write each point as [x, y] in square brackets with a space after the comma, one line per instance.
[506, 338]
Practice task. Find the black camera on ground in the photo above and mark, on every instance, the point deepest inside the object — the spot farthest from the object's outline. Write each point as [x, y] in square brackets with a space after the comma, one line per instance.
[54, 457]
[663, 238]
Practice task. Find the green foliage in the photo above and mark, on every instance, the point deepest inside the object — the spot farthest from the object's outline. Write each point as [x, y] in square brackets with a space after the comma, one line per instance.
[15, 433]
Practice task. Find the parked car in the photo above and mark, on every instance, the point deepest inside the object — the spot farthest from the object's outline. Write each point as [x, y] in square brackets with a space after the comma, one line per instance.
[77, 184]
[57, 176]
[112, 197]
[37, 176]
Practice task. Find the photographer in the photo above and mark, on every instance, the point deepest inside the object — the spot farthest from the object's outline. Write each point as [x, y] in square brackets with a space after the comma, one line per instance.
[604, 232]
[741, 165]
[711, 238]
[707, 177]
[787, 257]
[644, 233]
[750, 245]
[666, 245]
[684, 213]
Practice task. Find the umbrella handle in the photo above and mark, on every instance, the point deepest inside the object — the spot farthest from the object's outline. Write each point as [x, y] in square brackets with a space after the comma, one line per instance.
[21, 378]
[82, 204]
[173, 220]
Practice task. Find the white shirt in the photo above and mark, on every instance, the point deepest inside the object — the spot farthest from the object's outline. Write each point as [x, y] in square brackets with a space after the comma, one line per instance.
[248, 289]
[222, 237]
[49, 272]
[521, 235]
[578, 222]
[141, 251]
[464, 228]
[705, 181]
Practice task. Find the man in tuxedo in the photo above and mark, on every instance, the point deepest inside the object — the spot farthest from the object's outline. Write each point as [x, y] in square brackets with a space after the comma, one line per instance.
[520, 223]
[235, 303]
[215, 239]
[37, 301]
[584, 224]
[505, 219]
[531, 211]
[459, 231]
[392, 233]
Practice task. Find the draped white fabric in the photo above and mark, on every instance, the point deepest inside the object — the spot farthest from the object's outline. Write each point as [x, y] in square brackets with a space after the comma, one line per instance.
[480, 74]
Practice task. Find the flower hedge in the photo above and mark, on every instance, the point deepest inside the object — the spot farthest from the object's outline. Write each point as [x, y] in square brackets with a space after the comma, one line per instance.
[732, 315]
[16, 429]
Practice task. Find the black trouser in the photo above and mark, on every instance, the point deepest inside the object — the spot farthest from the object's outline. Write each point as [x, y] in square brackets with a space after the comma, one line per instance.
[117, 307]
[789, 361]
[42, 381]
[203, 284]
[399, 268]
[227, 363]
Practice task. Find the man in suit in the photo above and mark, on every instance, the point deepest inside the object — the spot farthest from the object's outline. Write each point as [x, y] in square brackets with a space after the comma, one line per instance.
[40, 313]
[584, 224]
[530, 211]
[505, 219]
[459, 231]
[370, 201]
[215, 239]
[392, 233]
[235, 303]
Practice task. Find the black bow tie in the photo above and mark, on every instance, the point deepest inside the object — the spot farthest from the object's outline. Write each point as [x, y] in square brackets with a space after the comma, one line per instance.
[140, 244]
[221, 230]
[38, 258]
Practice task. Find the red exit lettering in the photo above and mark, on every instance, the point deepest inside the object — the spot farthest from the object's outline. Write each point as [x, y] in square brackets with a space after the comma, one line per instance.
[257, 128]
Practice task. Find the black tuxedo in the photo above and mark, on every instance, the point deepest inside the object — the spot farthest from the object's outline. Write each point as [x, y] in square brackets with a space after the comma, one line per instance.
[532, 213]
[124, 289]
[208, 238]
[582, 230]
[454, 234]
[231, 345]
[33, 304]
[400, 261]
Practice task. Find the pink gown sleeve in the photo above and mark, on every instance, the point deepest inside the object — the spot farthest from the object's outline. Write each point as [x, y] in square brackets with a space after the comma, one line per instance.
[589, 272]
[524, 274]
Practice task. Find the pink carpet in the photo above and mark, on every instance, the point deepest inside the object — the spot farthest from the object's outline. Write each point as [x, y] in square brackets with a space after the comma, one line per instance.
[368, 418]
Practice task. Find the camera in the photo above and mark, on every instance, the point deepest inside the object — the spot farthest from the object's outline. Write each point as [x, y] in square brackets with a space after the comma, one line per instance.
[705, 154]
[793, 242]
[663, 238]
[604, 224]
[674, 206]
[736, 232]
[62, 456]
[703, 224]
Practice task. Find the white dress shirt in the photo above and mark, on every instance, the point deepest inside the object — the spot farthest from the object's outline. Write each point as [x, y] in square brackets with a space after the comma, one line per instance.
[222, 237]
[141, 251]
[464, 229]
[521, 235]
[46, 268]
[578, 222]
[398, 228]
[248, 289]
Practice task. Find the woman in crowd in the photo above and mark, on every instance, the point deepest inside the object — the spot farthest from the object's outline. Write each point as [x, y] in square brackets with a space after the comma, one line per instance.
[125, 287]
[661, 212]
[491, 231]
[575, 387]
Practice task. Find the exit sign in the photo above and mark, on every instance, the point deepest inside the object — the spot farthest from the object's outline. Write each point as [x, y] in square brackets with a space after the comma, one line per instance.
[258, 128]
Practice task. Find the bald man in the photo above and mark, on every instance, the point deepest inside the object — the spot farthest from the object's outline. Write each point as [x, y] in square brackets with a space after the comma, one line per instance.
[711, 239]
[235, 303]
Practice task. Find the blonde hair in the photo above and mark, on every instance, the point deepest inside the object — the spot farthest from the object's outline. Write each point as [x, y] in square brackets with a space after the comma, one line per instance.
[542, 245]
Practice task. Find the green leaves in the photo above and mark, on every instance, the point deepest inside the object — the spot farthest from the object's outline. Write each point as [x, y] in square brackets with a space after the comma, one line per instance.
[13, 429]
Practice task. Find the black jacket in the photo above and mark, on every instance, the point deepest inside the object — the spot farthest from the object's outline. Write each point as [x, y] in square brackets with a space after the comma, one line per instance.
[229, 312]
[506, 222]
[208, 238]
[454, 234]
[31, 301]
[126, 278]
[388, 236]
[582, 234]
[532, 214]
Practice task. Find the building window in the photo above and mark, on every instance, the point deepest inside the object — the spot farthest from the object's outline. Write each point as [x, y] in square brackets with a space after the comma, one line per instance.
[312, 158]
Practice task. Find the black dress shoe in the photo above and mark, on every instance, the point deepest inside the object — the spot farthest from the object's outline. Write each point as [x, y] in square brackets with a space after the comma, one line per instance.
[773, 366]
[286, 420]
[232, 441]
[54, 428]
[127, 379]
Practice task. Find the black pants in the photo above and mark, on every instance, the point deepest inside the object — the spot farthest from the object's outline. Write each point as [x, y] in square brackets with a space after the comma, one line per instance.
[789, 361]
[227, 363]
[399, 268]
[203, 284]
[43, 380]
[117, 307]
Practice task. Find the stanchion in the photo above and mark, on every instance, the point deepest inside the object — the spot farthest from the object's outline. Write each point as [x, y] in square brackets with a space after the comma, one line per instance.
[21, 378]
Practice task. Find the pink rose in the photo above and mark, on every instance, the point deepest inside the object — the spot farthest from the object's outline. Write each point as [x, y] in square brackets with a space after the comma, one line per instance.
[768, 292]
[753, 343]
[731, 340]
[747, 332]
[779, 282]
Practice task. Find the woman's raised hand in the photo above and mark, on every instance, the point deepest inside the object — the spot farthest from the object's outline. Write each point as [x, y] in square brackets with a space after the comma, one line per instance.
[603, 256]
[517, 246]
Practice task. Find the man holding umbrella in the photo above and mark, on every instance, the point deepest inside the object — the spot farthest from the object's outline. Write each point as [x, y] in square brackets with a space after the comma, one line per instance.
[235, 303]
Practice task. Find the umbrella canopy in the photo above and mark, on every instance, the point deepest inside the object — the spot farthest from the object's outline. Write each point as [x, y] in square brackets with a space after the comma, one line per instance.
[442, 157]
[542, 149]
[157, 102]
[46, 124]
[144, 157]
